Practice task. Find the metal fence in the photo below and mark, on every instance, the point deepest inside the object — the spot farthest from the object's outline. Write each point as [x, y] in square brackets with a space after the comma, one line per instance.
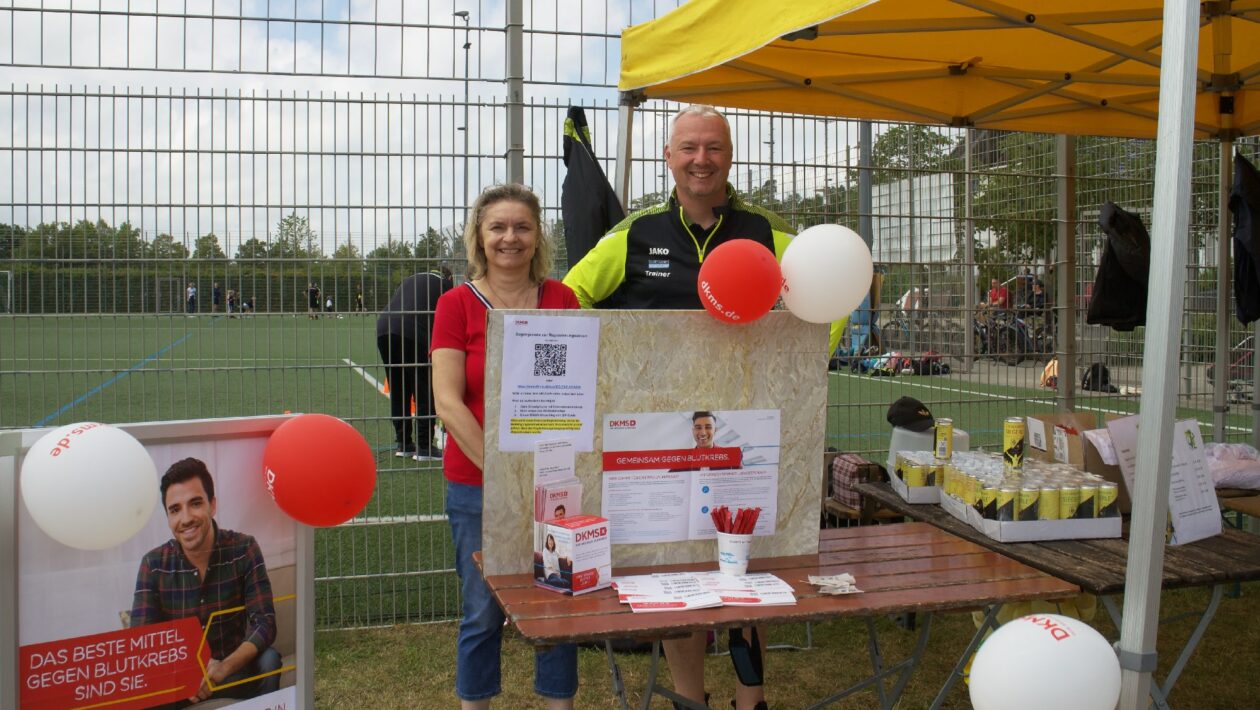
[262, 151]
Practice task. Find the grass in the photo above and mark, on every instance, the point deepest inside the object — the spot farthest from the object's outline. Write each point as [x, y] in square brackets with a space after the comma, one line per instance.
[394, 564]
[414, 665]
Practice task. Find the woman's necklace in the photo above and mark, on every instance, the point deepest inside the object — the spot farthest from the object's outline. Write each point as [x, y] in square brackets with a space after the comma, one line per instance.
[530, 299]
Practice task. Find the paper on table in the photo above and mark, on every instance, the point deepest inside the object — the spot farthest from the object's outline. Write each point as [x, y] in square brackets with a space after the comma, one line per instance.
[664, 592]
[1196, 513]
[748, 589]
[1192, 505]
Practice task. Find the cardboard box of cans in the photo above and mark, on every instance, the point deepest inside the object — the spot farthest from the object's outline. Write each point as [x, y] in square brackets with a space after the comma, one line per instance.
[1032, 500]
[915, 476]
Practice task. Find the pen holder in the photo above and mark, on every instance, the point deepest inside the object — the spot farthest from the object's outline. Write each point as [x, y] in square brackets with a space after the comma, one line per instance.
[733, 553]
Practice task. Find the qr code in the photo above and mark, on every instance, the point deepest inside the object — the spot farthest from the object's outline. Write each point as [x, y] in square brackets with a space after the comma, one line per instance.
[550, 359]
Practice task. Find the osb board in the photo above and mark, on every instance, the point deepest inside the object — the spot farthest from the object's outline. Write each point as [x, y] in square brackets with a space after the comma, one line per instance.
[666, 361]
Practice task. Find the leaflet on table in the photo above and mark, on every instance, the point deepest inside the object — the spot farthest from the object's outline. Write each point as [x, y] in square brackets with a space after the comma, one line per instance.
[665, 471]
[1192, 505]
[748, 589]
[696, 590]
[664, 592]
[549, 368]
[553, 461]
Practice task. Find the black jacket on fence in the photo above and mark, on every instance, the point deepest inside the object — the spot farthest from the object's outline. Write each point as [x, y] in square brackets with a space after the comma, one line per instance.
[587, 202]
[1244, 202]
[1120, 286]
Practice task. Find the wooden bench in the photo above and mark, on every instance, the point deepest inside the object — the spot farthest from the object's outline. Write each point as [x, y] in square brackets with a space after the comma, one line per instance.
[1246, 506]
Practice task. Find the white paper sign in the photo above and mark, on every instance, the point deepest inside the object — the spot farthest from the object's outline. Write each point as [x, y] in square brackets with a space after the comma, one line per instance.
[1036, 434]
[548, 388]
[1192, 505]
[1061, 445]
[1196, 513]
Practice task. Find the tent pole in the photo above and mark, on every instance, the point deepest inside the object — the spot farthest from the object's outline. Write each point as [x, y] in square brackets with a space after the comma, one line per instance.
[625, 129]
[1065, 271]
[1170, 221]
[1220, 408]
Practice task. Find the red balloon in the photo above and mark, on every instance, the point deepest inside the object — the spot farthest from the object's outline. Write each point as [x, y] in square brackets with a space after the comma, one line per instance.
[319, 469]
[739, 281]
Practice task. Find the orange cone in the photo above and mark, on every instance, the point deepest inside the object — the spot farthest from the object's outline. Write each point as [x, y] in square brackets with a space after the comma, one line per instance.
[385, 386]
[413, 406]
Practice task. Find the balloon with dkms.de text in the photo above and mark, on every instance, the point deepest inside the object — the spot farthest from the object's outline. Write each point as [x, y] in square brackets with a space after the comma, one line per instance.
[739, 281]
[319, 469]
[89, 486]
[1045, 662]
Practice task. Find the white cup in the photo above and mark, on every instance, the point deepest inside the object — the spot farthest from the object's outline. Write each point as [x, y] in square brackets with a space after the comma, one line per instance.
[733, 552]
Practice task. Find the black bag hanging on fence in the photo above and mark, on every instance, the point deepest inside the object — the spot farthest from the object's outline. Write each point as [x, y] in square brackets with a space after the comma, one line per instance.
[1119, 297]
[587, 202]
[1244, 202]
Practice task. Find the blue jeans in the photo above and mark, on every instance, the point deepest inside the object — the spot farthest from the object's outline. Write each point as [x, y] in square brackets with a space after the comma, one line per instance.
[477, 660]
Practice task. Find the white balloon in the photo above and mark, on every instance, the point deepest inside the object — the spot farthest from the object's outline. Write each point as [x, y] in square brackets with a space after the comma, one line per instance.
[827, 272]
[1045, 662]
[89, 486]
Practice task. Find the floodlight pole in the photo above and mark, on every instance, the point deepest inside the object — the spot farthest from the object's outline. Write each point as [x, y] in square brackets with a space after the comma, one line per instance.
[468, 44]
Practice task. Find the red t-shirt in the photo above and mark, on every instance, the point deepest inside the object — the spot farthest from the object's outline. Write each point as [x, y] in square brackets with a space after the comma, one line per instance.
[999, 297]
[459, 323]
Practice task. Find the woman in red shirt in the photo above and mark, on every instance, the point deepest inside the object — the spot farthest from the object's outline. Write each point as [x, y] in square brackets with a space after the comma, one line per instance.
[509, 257]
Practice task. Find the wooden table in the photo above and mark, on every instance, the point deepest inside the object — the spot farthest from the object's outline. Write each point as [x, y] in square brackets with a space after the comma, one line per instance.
[1098, 566]
[908, 567]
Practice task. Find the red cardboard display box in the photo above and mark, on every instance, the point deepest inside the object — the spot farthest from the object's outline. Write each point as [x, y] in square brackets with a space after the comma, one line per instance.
[577, 555]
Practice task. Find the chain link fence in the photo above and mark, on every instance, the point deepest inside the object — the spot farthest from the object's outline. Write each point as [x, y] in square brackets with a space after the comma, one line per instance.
[251, 156]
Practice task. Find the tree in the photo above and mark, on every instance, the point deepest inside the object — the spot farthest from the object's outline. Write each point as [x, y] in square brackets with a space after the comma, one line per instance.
[295, 239]
[901, 151]
[253, 248]
[165, 247]
[349, 256]
[207, 247]
[433, 245]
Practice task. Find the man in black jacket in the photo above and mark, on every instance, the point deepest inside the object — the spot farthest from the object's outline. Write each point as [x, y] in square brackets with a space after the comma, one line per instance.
[402, 336]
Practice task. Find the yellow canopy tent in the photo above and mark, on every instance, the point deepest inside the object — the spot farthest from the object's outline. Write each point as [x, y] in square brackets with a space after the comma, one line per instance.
[1052, 66]
[1047, 66]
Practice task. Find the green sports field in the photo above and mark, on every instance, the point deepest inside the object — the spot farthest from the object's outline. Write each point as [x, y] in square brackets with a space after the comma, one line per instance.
[394, 562]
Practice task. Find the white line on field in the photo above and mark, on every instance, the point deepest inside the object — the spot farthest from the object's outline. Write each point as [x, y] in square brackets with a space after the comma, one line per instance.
[371, 380]
[393, 520]
[959, 390]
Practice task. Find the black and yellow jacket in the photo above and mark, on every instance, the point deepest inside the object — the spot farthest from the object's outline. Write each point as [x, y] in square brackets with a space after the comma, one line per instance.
[651, 260]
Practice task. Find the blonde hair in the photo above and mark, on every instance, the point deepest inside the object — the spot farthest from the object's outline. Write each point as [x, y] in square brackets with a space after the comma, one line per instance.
[540, 265]
[702, 110]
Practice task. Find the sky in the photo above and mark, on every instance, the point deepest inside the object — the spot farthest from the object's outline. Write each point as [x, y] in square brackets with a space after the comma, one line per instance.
[227, 115]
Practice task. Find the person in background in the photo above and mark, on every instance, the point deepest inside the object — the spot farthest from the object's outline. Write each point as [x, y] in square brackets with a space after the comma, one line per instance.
[190, 298]
[403, 332]
[312, 301]
[216, 297]
[999, 299]
[509, 257]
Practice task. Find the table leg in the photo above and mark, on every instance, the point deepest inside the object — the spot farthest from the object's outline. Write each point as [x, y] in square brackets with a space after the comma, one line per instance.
[990, 622]
[654, 689]
[1161, 691]
[902, 670]
[618, 686]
